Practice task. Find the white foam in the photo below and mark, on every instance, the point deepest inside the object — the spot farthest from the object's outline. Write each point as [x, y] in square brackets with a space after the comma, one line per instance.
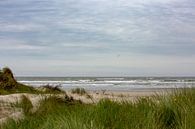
[116, 83]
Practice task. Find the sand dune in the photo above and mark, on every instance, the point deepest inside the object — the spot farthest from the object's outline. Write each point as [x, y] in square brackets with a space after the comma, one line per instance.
[7, 111]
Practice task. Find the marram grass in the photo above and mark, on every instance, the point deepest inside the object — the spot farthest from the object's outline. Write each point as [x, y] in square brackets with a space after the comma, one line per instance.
[175, 111]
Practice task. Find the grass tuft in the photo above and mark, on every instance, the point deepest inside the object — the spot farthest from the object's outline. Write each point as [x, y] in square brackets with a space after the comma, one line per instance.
[52, 89]
[26, 105]
[80, 91]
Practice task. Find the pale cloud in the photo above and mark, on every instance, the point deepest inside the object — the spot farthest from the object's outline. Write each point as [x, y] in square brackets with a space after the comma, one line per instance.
[98, 36]
[22, 27]
[11, 44]
[20, 47]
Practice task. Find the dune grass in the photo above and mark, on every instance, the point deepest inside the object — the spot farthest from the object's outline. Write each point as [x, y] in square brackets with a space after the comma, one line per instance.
[79, 91]
[49, 89]
[175, 111]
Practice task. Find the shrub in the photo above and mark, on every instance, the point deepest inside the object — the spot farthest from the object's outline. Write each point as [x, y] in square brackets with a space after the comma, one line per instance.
[7, 72]
[9, 84]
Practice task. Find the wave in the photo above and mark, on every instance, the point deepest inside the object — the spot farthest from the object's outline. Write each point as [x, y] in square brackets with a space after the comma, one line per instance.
[113, 83]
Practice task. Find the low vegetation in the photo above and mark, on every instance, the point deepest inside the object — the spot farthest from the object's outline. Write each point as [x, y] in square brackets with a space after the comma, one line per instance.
[8, 83]
[26, 105]
[80, 91]
[175, 111]
[51, 89]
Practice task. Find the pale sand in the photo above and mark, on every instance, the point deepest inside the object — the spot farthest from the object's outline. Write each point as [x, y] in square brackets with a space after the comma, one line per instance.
[96, 96]
[6, 111]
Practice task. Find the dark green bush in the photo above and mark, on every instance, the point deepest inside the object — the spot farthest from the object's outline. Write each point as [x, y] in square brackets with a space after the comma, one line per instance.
[8, 83]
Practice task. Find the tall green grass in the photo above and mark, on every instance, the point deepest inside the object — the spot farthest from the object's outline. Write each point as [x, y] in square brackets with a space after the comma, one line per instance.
[174, 111]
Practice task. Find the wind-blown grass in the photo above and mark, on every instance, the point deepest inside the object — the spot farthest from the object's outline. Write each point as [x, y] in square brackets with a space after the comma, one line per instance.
[175, 111]
[80, 91]
[49, 89]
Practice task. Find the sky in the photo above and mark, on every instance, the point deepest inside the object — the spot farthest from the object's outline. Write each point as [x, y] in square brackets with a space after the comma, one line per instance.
[98, 37]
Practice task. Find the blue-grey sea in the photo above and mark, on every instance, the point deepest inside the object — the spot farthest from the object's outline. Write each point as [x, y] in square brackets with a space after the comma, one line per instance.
[111, 83]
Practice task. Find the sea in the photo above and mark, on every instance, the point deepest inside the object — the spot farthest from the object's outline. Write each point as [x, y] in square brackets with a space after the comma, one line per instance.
[111, 83]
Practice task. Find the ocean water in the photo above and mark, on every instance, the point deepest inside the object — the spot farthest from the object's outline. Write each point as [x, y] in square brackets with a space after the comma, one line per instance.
[111, 83]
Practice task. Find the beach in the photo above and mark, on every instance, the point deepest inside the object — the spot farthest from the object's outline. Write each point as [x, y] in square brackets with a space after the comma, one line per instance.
[98, 103]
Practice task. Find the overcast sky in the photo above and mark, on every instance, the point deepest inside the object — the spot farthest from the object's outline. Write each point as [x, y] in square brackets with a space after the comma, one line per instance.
[98, 37]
